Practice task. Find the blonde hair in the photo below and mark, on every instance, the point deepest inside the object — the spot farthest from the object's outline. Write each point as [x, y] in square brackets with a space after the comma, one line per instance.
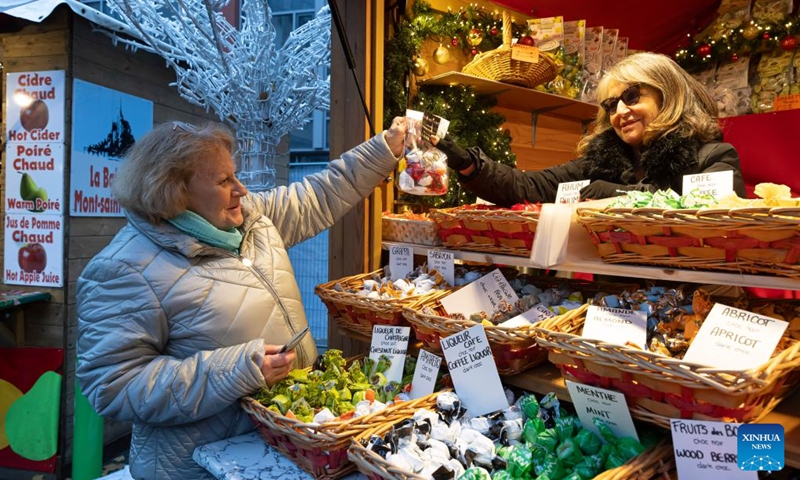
[154, 175]
[686, 107]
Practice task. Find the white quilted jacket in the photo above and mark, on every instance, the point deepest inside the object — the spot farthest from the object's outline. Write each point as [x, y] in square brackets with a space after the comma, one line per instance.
[171, 331]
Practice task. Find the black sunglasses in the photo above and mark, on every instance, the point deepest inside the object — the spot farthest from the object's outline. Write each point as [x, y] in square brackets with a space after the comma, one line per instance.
[630, 96]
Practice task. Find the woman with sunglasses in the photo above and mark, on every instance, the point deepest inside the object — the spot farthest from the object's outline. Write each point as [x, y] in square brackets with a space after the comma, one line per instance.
[655, 125]
[187, 309]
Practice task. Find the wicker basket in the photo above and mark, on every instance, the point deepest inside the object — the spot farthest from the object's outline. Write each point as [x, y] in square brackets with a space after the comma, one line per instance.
[498, 65]
[321, 449]
[757, 240]
[421, 232]
[360, 314]
[503, 231]
[655, 463]
[658, 388]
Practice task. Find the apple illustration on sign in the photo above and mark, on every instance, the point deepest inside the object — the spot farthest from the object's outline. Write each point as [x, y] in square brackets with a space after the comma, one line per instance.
[35, 116]
[32, 258]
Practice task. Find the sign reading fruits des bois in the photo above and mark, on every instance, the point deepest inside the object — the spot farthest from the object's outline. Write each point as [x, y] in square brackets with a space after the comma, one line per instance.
[34, 175]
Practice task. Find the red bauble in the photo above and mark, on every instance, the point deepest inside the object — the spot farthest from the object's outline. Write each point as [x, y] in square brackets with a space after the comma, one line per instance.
[704, 50]
[765, 36]
[494, 30]
[474, 51]
[454, 41]
[735, 57]
[789, 43]
[526, 40]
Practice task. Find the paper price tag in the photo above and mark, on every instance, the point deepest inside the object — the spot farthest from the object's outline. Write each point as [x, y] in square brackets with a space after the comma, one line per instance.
[535, 315]
[425, 374]
[485, 294]
[717, 184]
[735, 339]
[444, 263]
[607, 405]
[616, 325]
[392, 342]
[401, 261]
[525, 53]
[706, 450]
[570, 192]
[471, 365]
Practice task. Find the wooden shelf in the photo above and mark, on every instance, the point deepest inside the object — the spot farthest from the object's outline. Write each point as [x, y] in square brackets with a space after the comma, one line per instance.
[519, 98]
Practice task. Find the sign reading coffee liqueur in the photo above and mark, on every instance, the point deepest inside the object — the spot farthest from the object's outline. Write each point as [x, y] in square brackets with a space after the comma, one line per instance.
[425, 374]
[735, 339]
[34, 250]
[716, 184]
[392, 342]
[474, 373]
[706, 450]
[34, 175]
[105, 124]
[401, 261]
[616, 325]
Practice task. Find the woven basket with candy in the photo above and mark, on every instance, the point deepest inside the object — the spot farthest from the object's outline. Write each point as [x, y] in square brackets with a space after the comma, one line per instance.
[657, 382]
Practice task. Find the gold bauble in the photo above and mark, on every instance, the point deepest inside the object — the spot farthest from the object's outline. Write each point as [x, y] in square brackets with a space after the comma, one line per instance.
[420, 67]
[441, 55]
[750, 31]
[475, 37]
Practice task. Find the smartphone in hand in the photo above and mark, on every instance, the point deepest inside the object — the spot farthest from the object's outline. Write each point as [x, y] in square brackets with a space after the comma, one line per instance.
[294, 341]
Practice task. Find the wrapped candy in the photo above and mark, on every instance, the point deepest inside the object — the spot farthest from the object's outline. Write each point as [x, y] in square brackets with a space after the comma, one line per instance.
[423, 171]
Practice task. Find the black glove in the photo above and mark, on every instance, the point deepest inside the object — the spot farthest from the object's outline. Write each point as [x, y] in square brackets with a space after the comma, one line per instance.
[603, 189]
[457, 158]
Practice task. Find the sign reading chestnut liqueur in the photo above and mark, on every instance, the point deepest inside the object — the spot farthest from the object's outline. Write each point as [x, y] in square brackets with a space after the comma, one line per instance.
[34, 174]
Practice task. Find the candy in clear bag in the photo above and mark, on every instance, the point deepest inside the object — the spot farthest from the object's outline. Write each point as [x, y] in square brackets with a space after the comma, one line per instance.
[423, 171]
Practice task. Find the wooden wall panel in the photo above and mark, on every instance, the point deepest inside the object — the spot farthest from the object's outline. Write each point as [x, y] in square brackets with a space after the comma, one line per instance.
[555, 138]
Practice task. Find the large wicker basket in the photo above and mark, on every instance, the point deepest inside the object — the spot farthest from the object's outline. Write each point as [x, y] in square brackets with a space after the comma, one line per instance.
[658, 388]
[495, 230]
[498, 65]
[360, 314]
[406, 230]
[655, 463]
[756, 240]
[321, 449]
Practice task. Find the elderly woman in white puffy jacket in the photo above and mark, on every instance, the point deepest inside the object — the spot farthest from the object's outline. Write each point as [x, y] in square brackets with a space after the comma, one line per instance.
[186, 309]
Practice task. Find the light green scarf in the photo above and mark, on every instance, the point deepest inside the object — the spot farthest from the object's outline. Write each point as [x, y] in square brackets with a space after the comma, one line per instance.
[193, 224]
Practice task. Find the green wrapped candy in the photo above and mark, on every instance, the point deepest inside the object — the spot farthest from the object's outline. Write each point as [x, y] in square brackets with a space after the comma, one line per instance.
[538, 452]
[588, 442]
[529, 406]
[548, 440]
[568, 453]
[475, 473]
[502, 451]
[543, 476]
[532, 428]
[614, 460]
[573, 476]
[501, 475]
[566, 427]
[589, 467]
[628, 447]
[554, 469]
[605, 432]
[520, 461]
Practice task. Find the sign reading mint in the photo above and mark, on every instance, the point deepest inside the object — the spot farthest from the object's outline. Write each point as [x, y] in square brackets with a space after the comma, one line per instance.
[760, 447]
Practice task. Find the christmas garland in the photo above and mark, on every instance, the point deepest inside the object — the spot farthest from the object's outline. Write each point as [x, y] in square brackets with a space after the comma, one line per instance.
[472, 122]
[728, 44]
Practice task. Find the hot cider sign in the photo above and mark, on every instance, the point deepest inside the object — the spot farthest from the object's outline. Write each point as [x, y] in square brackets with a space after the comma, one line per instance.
[34, 174]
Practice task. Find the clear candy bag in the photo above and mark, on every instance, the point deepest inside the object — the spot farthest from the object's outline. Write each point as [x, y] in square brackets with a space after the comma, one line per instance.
[423, 171]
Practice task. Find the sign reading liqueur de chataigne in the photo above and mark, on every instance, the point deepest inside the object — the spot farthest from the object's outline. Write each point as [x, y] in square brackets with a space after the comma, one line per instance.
[570, 192]
[705, 450]
[425, 374]
[392, 342]
[716, 184]
[735, 339]
[616, 325]
[489, 294]
[401, 261]
[607, 405]
[474, 373]
[442, 262]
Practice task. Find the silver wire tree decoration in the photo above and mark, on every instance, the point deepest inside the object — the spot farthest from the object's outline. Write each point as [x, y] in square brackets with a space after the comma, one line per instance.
[262, 90]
